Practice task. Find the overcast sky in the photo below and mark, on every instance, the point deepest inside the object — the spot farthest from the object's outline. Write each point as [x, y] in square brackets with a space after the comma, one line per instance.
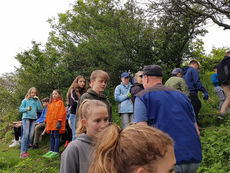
[25, 20]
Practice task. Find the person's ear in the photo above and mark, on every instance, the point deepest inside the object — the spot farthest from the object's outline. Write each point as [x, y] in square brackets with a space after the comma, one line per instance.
[83, 122]
[140, 170]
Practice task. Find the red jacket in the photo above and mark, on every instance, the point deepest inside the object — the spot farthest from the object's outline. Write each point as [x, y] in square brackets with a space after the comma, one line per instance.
[55, 112]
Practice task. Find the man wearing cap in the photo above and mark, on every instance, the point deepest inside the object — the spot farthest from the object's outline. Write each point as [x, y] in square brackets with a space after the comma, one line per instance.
[177, 82]
[192, 79]
[170, 111]
[123, 96]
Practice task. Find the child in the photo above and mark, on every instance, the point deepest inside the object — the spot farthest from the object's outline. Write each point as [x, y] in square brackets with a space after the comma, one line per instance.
[123, 96]
[29, 107]
[217, 88]
[55, 123]
[98, 82]
[137, 148]
[92, 118]
[74, 93]
[40, 123]
[17, 134]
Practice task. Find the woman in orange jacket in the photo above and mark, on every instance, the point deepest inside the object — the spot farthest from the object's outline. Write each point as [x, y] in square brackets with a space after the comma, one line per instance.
[55, 122]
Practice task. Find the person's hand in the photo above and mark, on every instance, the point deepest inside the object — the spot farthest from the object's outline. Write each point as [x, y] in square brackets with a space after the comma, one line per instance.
[58, 126]
[129, 95]
[36, 98]
[205, 96]
[29, 108]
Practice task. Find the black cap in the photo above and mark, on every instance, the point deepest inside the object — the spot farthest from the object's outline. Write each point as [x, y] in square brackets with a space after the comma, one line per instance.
[152, 70]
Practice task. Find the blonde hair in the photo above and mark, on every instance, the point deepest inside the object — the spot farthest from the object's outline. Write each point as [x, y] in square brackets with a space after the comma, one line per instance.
[99, 73]
[122, 151]
[84, 112]
[137, 75]
[28, 95]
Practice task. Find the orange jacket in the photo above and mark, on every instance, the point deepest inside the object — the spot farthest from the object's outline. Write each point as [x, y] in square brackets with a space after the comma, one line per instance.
[55, 112]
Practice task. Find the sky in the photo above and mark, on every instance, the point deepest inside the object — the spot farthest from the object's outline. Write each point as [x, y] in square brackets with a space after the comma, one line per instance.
[23, 21]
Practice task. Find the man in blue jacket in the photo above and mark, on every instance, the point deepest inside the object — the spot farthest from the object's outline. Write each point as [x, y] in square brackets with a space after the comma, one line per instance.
[170, 111]
[123, 96]
[192, 79]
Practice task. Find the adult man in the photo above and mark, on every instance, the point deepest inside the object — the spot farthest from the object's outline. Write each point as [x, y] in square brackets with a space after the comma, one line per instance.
[223, 71]
[177, 82]
[170, 111]
[192, 79]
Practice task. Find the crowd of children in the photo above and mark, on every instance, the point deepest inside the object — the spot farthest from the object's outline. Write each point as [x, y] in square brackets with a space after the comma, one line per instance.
[92, 148]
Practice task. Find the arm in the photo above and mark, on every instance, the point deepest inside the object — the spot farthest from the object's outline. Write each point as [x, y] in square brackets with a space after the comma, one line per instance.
[197, 82]
[140, 112]
[39, 105]
[23, 107]
[61, 112]
[119, 97]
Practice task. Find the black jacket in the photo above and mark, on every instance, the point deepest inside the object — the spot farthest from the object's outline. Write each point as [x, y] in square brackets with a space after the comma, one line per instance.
[223, 71]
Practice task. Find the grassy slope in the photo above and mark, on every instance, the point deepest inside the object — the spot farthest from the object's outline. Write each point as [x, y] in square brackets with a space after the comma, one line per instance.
[215, 138]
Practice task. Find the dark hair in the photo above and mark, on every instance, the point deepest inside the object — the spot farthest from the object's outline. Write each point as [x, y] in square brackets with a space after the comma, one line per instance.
[122, 151]
[46, 99]
[194, 62]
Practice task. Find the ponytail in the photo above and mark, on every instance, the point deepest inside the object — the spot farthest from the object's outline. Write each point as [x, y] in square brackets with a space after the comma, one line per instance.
[104, 154]
[124, 151]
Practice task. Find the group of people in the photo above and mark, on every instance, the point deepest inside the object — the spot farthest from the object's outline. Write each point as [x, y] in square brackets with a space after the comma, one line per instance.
[159, 122]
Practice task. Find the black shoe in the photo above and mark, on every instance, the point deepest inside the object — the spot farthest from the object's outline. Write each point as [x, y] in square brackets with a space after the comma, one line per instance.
[34, 146]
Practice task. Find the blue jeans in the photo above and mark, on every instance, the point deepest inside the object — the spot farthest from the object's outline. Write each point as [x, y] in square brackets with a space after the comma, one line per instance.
[73, 125]
[28, 132]
[54, 141]
[187, 168]
[126, 118]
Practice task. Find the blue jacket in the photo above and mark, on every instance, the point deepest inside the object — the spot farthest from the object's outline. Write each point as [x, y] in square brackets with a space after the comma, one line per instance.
[215, 80]
[120, 94]
[42, 117]
[172, 112]
[35, 105]
[192, 79]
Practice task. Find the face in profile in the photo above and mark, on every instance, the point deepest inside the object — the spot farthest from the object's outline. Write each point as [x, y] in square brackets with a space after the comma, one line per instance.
[99, 84]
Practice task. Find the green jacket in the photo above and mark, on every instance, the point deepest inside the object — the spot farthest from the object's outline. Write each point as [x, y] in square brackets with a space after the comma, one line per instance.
[177, 83]
[92, 95]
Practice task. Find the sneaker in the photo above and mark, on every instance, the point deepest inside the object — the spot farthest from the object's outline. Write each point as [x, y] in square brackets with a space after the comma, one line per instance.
[220, 116]
[24, 155]
[14, 144]
[47, 154]
[53, 155]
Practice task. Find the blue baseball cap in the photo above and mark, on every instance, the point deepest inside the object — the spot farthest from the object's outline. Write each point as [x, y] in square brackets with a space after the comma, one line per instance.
[125, 75]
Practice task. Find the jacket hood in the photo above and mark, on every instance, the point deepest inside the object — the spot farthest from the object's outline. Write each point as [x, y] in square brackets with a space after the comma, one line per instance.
[84, 138]
[92, 92]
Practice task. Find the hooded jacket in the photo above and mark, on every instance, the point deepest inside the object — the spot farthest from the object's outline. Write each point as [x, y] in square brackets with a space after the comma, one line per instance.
[77, 156]
[192, 79]
[55, 112]
[92, 95]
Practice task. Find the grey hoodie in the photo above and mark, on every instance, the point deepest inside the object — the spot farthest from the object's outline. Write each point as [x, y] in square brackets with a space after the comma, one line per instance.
[77, 156]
